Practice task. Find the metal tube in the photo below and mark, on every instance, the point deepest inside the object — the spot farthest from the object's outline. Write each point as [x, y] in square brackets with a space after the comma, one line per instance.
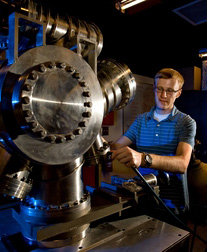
[65, 28]
[118, 84]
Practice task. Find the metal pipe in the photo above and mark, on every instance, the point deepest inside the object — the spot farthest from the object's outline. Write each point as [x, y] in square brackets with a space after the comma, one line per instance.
[59, 30]
[118, 84]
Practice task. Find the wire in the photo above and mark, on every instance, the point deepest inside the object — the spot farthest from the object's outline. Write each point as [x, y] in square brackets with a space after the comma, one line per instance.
[163, 204]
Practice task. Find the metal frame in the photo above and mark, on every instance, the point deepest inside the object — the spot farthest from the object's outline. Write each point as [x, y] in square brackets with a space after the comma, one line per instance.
[16, 19]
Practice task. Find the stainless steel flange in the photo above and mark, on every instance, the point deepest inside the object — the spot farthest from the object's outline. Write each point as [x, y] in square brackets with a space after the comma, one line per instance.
[55, 103]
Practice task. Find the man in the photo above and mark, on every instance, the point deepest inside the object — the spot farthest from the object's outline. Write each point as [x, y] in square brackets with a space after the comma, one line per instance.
[164, 137]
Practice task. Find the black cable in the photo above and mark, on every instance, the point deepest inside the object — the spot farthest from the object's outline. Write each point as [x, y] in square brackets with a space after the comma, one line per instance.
[163, 204]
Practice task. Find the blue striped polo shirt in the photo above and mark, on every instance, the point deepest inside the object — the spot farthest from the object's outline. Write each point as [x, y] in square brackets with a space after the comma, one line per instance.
[162, 137]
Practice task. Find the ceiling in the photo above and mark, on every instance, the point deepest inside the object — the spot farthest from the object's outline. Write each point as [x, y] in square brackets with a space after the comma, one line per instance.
[147, 37]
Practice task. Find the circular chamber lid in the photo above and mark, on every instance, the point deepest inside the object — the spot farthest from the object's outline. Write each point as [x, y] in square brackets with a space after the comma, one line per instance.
[57, 103]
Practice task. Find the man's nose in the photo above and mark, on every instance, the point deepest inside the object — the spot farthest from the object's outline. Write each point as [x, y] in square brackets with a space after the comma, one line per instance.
[164, 93]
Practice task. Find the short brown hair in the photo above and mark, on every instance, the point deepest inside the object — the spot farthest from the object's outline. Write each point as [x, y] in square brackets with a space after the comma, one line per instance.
[168, 73]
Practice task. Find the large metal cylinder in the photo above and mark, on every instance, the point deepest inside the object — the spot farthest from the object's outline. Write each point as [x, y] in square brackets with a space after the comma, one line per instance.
[117, 83]
[57, 196]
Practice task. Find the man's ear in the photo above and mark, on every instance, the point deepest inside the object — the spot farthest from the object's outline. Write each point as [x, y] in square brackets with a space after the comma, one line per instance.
[179, 93]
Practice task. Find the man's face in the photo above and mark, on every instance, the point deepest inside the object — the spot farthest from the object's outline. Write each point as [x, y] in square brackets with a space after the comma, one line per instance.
[166, 92]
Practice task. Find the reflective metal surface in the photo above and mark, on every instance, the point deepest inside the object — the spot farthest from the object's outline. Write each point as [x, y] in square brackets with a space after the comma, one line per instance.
[56, 196]
[140, 233]
[52, 105]
[15, 179]
[57, 104]
[118, 84]
[144, 234]
[98, 150]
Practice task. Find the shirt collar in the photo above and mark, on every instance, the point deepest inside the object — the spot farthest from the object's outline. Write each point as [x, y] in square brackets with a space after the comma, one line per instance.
[171, 117]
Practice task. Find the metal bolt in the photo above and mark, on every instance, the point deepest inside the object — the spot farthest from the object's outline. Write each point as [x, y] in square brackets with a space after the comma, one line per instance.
[83, 124]
[41, 133]
[76, 75]
[78, 131]
[27, 87]
[42, 68]
[25, 100]
[33, 76]
[28, 113]
[15, 176]
[105, 145]
[101, 149]
[70, 69]
[60, 139]
[86, 114]
[33, 124]
[70, 136]
[82, 83]
[88, 104]
[52, 65]
[62, 65]
[86, 94]
[50, 138]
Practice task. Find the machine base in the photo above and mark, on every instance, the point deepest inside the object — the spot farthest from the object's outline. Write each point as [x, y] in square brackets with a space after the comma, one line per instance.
[141, 233]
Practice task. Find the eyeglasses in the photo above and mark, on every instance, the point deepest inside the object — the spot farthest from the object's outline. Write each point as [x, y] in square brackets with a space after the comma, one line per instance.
[168, 91]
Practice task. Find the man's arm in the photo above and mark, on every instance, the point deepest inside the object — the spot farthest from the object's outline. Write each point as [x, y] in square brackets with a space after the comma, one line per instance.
[177, 163]
[121, 142]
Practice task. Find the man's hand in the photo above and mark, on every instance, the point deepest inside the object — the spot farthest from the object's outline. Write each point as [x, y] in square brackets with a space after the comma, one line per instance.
[127, 156]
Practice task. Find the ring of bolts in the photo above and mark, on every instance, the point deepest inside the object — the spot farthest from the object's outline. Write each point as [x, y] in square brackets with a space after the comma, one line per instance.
[28, 86]
[67, 205]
